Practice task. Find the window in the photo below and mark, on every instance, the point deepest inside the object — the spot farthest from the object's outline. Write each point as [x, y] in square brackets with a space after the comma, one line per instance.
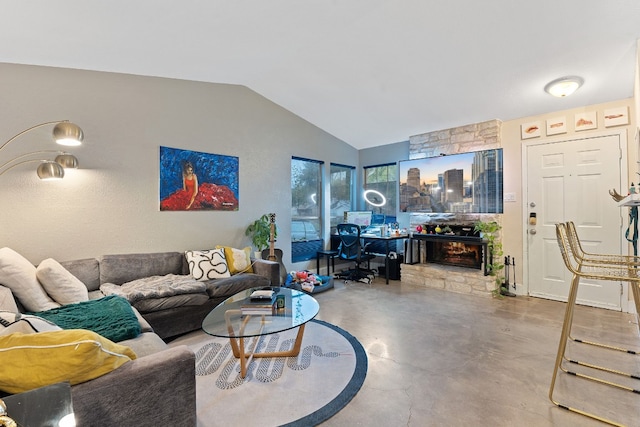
[306, 209]
[383, 180]
[341, 190]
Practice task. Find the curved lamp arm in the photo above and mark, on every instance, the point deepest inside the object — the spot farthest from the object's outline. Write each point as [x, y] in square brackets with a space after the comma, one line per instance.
[22, 156]
[48, 169]
[64, 133]
[30, 129]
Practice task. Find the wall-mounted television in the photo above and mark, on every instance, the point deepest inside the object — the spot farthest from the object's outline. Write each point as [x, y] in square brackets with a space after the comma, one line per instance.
[457, 183]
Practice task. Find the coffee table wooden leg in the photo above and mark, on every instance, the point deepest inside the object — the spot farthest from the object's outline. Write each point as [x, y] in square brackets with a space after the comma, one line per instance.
[289, 353]
[298, 343]
[245, 356]
[238, 349]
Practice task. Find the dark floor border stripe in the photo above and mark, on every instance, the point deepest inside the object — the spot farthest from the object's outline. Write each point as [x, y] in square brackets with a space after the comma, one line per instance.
[351, 389]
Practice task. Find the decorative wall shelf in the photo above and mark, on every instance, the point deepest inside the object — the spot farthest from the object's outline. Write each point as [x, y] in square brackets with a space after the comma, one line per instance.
[630, 201]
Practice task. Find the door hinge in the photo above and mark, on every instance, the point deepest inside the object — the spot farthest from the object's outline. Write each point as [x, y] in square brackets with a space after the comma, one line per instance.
[621, 289]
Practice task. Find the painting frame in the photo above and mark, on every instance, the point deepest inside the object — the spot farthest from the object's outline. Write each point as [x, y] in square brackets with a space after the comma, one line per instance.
[616, 116]
[196, 181]
[585, 121]
[530, 130]
[557, 125]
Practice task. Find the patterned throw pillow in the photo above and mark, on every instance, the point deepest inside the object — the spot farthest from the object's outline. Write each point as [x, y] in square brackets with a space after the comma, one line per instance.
[207, 264]
[25, 323]
[238, 260]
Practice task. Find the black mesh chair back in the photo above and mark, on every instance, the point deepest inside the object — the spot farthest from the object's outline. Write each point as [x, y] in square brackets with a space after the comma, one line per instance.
[351, 249]
[350, 246]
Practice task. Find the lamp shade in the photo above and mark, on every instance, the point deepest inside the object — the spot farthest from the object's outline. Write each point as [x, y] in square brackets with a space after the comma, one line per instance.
[67, 133]
[50, 170]
[67, 161]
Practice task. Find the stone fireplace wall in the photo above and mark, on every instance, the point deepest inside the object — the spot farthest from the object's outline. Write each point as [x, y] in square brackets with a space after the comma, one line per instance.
[473, 137]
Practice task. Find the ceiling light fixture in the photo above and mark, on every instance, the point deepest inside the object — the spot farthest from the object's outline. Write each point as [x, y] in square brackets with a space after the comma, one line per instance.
[564, 86]
[64, 133]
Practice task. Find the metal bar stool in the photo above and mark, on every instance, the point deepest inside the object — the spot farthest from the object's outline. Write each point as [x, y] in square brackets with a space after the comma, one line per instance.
[591, 266]
[594, 258]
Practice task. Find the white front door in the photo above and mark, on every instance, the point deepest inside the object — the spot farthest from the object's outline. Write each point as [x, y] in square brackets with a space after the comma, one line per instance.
[570, 181]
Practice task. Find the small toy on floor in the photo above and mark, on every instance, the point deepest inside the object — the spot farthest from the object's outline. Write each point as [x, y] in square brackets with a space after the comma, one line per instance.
[306, 280]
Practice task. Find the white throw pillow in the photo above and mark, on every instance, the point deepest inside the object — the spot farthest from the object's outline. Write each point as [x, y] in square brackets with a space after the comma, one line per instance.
[63, 286]
[27, 324]
[19, 275]
[7, 301]
[207, 264]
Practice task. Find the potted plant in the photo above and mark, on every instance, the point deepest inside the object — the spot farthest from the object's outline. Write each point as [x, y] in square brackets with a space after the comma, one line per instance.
[260, 233]
[489, 231]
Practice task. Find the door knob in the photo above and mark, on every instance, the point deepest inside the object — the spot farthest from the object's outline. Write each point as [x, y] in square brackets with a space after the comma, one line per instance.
[532, 231]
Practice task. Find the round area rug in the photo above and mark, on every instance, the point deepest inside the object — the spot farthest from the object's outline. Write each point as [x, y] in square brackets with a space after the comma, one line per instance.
[280, 391]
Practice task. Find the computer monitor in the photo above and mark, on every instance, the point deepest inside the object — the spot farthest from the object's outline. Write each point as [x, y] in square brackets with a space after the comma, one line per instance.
[361, 218]
[378, 219]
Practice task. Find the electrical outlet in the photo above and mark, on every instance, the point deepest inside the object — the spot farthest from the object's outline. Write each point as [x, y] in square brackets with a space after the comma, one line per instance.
[509, 197]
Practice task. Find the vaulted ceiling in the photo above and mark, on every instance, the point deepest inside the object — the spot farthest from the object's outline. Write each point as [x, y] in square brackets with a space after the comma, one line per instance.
[370, 72]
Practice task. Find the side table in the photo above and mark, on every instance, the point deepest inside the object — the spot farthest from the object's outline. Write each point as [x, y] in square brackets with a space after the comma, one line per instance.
[44, 406]
[330, 255]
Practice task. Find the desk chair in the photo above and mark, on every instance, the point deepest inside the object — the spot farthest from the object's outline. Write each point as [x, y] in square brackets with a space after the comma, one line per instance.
[351, 249]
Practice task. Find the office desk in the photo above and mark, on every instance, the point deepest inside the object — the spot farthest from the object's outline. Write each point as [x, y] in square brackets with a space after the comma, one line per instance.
[386, 239]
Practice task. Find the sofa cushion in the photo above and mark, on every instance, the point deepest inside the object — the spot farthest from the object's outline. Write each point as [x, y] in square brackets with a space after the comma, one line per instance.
[230, 286]
[124, 268]
[19, 275]
[144, 325]
[87, 270]
[11, 322]
[156, 304]
[62, 286]
[207, 264]
[145, 344]
[238, 260]
[34, 360]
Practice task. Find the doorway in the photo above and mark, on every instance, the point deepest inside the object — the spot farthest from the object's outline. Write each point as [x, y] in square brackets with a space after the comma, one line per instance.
[569, 180]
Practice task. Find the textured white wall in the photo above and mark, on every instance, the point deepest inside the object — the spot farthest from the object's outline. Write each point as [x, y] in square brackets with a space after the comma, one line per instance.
[110, 205]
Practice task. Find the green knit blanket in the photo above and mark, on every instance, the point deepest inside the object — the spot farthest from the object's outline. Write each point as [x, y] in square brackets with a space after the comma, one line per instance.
[110, 316]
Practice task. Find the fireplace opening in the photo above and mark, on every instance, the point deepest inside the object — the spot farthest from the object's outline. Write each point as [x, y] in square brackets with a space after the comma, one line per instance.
[459, 254]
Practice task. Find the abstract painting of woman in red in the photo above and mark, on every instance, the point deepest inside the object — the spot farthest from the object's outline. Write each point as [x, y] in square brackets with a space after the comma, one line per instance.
[190, 180]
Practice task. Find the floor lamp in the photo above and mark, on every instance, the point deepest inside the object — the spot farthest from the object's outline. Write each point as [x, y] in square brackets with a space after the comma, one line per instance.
[64, 133]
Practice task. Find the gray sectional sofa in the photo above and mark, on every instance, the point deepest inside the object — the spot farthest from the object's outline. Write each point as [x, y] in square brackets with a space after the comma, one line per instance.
[170, 316]
[157, 388]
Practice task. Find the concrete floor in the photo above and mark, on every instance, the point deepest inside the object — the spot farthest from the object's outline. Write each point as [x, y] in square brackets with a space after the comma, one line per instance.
[438, 358]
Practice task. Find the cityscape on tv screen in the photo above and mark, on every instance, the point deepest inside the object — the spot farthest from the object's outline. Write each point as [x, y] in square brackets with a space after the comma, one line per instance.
[459, 183]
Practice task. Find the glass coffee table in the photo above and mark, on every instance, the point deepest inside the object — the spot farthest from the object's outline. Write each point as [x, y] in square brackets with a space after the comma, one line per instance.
[226, 320]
